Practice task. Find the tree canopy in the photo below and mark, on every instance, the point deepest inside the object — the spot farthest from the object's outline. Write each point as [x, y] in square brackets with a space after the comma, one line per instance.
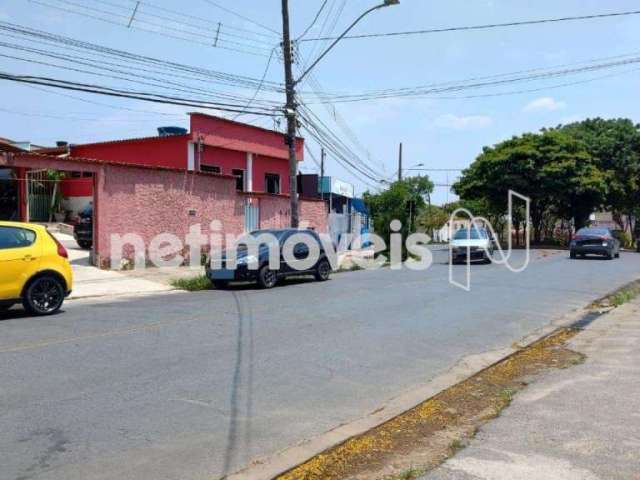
[568, 172]
[403, 200]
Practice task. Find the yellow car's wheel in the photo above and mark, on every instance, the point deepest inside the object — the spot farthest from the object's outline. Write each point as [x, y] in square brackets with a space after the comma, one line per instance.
[44, 295]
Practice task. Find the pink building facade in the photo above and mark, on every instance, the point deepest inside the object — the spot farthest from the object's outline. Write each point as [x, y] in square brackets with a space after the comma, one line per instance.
[152, 200]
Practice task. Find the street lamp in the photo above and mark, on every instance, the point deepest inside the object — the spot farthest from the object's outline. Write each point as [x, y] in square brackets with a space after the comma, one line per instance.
[291, 107]
[386, 3]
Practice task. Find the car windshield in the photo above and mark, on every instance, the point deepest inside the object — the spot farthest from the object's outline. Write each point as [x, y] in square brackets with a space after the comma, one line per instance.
[474, 234]
[593, 232]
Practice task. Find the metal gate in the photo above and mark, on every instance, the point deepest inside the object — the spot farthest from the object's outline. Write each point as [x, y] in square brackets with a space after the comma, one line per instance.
[40, 192]
[251, 215]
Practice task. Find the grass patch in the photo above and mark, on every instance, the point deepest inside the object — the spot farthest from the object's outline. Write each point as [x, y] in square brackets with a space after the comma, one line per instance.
[506, 395]
[619, 297]
[192, 284]
[410, 474]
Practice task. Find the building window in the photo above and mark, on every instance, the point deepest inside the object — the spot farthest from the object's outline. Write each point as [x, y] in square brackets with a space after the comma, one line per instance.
[239, 174]
[209, 169]
[272, 183]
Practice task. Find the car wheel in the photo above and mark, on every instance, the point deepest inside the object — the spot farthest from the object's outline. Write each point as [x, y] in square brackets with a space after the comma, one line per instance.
[609, 256]
[618, 255]
[572, 255]
[44, 296]
[220, 284]
[84, 244]
[267, 278]
[323, 270]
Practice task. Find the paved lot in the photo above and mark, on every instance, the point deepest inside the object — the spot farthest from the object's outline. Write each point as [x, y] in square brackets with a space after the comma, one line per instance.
[576, 424]
[191, 386]
[91, 282]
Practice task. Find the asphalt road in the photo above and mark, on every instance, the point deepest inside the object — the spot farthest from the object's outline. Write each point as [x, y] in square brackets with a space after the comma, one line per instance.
[193, 386]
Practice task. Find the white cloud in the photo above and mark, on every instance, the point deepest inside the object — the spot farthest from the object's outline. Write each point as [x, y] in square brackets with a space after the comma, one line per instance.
[548, 104]
[470, 122]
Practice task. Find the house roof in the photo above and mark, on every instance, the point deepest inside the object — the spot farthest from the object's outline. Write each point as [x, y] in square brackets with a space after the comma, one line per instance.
[129, 140]
[94, 161]
[235, 122]
[7, 147]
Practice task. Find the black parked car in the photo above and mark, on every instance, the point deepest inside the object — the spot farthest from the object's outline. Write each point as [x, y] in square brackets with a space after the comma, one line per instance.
[595, 241]
[83, 230]
[220, 275]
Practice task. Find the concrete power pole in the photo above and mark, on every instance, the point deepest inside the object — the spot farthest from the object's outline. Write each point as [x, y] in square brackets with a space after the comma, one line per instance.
[322, 157]
[400, 163]
[291, 114]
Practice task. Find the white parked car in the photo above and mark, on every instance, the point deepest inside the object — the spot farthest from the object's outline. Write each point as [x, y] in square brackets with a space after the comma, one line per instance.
[476, 243]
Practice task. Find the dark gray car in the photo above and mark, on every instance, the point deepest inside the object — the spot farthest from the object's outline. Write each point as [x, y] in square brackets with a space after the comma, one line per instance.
[595, 241]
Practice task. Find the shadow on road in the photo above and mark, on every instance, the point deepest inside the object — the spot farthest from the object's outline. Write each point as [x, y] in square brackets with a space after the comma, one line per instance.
[19, 313]
[242, 367]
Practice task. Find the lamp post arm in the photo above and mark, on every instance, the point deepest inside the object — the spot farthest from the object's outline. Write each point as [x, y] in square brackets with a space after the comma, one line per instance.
[333, 44]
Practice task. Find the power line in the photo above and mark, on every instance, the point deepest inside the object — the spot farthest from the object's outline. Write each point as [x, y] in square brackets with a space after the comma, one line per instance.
[313, 22]
[205, 24]
[75, 118]
[261, 53]
[328, 26]
[480, 27]
[127, 18]
[243, 17]
[136, 95]
[162, 83]
[324, 138]
[150, 64]
[259, 87]
[200, 19]
[434, 89]
[346, 152]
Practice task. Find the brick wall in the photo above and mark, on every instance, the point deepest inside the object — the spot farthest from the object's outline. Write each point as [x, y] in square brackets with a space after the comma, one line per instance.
[149, 202]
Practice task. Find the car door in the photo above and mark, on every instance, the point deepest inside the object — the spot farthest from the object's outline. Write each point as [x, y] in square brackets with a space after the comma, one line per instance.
[20, 254]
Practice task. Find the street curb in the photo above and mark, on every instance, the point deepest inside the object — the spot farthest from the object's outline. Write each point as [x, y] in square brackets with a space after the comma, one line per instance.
[124, 296]
[269, 467]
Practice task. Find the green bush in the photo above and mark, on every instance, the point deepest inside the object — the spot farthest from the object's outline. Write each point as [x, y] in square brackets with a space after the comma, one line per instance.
[193, 284]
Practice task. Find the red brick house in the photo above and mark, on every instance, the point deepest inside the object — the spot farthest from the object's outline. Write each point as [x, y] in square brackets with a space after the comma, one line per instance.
[256, 156]
[219, 170]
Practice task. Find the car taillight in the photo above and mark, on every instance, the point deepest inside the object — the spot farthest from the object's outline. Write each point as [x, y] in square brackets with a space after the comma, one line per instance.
[61, 250]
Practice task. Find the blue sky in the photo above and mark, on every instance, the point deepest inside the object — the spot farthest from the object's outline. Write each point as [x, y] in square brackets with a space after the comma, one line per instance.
[440, 133]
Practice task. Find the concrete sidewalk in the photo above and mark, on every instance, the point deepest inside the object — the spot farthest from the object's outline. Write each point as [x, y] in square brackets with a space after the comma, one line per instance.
[90, 281]
[582, 423]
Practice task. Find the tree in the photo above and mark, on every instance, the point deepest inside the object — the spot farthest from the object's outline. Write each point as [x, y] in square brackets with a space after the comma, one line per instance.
[432, 218]
[553, 169]
[401, 201]
[615, 146]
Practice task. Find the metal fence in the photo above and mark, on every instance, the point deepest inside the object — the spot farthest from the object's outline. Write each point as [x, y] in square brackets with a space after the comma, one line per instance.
[40, 192]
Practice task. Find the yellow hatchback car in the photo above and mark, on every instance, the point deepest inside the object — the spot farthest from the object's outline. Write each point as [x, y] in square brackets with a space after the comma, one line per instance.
[34, 269]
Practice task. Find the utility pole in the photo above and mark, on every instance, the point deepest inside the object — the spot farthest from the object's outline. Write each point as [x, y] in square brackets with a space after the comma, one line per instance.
[400, 163]
[290, 86]
[290, 113]
[322, 155]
